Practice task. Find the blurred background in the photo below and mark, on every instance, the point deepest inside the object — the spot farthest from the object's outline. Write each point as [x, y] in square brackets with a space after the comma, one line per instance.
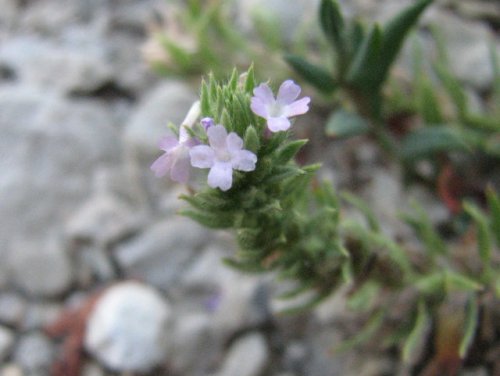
[87, 88]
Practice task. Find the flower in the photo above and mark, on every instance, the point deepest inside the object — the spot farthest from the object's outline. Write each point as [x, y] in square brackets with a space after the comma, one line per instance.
[278, 111]
[176, 156]
[224, 155]
[207, 122]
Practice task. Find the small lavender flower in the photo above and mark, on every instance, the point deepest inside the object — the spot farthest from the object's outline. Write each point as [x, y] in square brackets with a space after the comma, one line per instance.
[176, 156]
[224, 155]
[278, 111]
[207, 122]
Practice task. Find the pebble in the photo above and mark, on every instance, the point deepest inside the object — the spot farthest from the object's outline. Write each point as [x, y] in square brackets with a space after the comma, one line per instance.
[128, 328]
[248, 356]
[6, 342]
[34, 353]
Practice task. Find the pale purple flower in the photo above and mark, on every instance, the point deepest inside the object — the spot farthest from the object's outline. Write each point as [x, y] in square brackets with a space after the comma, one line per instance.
[175, 159]
[207, 122]
[224, 155]
[176, 156]
[278, 111]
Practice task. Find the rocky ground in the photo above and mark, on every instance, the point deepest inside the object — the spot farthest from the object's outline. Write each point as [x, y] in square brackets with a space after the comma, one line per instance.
[80, 211]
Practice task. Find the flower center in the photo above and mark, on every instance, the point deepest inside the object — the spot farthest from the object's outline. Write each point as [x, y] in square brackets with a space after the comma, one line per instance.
[223, 155]
[275, 110]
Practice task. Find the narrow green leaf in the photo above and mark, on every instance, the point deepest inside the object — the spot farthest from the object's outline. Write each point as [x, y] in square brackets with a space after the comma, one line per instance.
[205, 99]
[394, 34]
[332, 23]
[243, 267]
[367, 332]
[431, 284]
[484, 240]
[427, 101]
[471, 322]
[363, 208]
[250, 80]
[251, 139]
[287, 152]
[363, 70]
[356, 36]
[345, 124]
[460, 282]
[426, 142]
[494, 205]
[418, 333]
[317, 76]
[215, 221]
[233, 81]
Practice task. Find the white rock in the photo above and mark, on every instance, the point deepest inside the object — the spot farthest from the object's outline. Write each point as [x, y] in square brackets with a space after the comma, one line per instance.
[128, 328]
[248, 356]
[6, 341]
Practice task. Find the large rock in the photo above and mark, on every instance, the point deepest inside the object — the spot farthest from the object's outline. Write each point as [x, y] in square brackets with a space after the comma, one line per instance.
[34, 353]
[49, 148]
[128, 328]
[162, 253]
[168, 102]
[79, 62]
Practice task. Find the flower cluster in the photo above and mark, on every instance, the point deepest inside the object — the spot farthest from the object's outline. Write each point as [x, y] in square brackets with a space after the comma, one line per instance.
[224, 152]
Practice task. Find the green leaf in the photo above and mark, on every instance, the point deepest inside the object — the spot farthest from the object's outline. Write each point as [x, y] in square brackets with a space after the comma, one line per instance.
[363, 71]
[363, 208]
[367, 332]
[215, 221]
[250, 80]
[427, 101]
[484, 240]
[431, 284]
[205, 99]
[356, 36]
[345, 124]
[394, 34]
[317, 76]
[332, 23]
[494, 205]
[418, 333]
[460, 282]
[471, 322]
[251, 139]
[425, 142]
[287, 152]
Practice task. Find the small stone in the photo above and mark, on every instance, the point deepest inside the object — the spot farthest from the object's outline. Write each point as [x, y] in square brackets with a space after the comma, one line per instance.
[248, 356]
[128, 328]
[39, 314]
[6, 341]
[41, 269]
[12, 309]
[162, 253]
[34, 353]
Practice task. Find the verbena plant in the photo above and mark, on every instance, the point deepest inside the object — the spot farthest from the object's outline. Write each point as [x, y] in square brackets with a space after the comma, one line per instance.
[285, 221]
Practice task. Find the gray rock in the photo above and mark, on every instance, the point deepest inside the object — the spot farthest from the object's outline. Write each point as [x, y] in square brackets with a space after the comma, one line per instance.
[40, 314]
[237, 301]
[12, 309]
[6, 342]
[49, 147]
[168, 102]
[162, 253]
[77, 63]
[40, 268]
[248, 356]
[194, 346]
[94, 264]
[468, 47]
[34, 353]
[128, 328]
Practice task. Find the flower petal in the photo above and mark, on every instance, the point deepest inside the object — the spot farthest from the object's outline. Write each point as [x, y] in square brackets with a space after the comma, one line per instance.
[161, 165]
[202, 156]
[264, 93]
[221, 176]
[288, 92]
[276, 124]
[234, 142]
[259, 107]
[168, 142]
[180, 166]
[298, 107]
[217, 136]
[244, 160]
